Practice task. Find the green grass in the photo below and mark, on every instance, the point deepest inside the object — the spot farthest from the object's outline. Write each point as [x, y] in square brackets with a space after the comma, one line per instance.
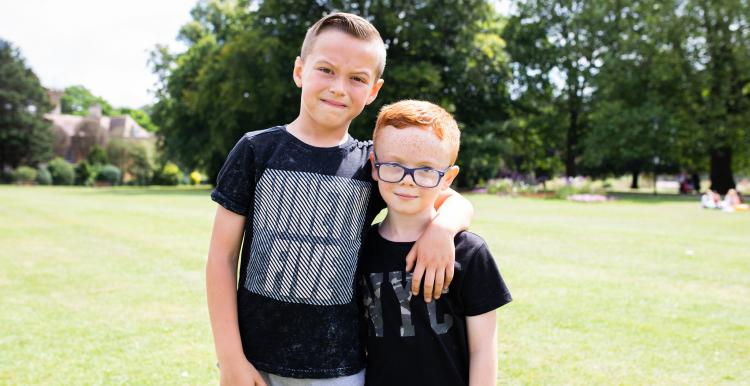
[106, 286]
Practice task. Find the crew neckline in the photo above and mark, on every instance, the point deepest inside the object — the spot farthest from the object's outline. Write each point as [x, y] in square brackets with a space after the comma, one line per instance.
[349, 142]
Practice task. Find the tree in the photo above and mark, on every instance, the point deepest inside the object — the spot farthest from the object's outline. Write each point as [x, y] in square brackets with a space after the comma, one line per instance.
[25, 136]
[635, 125]
[77, 100]
[716, 52]
[236, 74]
[556, 51]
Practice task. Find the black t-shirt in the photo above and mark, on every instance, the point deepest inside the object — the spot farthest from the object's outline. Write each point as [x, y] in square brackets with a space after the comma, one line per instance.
[307, 211]
[411, 342]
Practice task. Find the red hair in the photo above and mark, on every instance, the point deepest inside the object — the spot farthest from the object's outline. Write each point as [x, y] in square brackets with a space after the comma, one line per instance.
[424, 115]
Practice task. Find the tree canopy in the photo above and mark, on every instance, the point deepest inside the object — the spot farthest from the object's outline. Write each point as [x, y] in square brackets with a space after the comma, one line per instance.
[25, 137]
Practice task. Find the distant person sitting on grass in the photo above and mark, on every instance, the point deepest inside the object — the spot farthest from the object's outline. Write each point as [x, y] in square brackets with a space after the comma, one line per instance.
[711, 200]
[451, 340]
[733, 201]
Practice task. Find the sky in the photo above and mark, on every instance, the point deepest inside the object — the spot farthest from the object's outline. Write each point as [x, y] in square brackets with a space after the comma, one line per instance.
[100, 44]
[103, 45]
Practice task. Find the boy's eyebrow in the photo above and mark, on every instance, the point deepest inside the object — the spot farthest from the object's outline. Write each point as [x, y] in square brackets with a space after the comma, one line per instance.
[367, 72]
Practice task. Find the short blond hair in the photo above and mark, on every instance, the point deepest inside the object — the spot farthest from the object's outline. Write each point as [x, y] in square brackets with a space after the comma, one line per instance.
[424, 115]
[351, 25]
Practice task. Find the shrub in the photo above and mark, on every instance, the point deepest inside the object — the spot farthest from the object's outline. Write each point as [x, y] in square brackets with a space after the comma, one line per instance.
[500, 186]
[84, 173]
[63, 173]
[169, 174]
[6, 176]
[24, 175]
[97, 156]
[43, 177]
[196, 177]
[110, 174]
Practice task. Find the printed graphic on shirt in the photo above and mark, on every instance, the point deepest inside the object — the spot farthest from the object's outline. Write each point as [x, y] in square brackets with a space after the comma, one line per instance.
[374, 303]
[306, 236]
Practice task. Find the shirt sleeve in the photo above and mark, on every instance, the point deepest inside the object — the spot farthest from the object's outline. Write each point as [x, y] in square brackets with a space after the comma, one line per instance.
[483, 288]
[236, 179]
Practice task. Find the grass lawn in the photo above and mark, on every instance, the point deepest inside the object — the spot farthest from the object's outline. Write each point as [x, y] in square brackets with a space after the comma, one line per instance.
[106, 286]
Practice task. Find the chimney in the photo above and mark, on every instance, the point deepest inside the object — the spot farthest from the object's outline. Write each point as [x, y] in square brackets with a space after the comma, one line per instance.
[95, 111]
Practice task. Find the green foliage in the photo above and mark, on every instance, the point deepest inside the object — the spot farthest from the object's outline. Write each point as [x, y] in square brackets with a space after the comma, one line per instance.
[61, 171]
[84, 173]
[77, 100]
[97, 156]
[24, 175]
[169, 174]
[143, 119]
[208, 96]
[43, 176]
[110, 174]
[25, 137]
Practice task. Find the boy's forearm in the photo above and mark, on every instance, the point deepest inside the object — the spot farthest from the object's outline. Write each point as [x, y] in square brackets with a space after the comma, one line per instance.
[483, 367]
[221, 294]
[454, 212]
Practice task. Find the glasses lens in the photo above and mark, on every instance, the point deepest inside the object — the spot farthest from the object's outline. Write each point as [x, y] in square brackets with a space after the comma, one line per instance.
[390, 173]
[427, 178]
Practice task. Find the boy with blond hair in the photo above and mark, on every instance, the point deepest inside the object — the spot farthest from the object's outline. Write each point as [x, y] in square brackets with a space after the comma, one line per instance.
[295, 202]
[450, 341]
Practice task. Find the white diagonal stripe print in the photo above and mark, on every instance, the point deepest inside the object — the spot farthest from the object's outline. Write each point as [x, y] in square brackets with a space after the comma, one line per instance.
[306, 236]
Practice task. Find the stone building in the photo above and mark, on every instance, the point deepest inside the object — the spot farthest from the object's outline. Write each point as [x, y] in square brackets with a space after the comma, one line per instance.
[75, 135]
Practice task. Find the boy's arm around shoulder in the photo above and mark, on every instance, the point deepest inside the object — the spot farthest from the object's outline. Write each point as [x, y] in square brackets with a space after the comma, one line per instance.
[221, 294]
[434, 252]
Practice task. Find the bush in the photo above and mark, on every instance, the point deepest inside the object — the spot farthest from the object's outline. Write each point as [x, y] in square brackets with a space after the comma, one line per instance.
[110, 174]
[43, 177]
[500, 186]
[169, 174]
[63, 173]
[6, 176]
[24, 175]
[84, 173]
[196, 178]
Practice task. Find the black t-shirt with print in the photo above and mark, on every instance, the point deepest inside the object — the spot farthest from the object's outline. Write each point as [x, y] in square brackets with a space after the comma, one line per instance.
[414, 343]
[307, 210]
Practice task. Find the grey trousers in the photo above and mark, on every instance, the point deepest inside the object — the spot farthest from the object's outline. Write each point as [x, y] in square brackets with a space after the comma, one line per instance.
[349, 380]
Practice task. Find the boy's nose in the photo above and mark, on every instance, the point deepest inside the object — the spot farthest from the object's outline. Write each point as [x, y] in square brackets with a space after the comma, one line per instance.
[337, 85]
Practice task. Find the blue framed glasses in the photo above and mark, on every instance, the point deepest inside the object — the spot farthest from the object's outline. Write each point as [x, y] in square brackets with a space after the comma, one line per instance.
[393, 172]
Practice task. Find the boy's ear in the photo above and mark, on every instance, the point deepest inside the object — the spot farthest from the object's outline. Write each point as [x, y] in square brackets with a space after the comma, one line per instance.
[372, 163]
[450, 175]
[374, 91]
[299, 66]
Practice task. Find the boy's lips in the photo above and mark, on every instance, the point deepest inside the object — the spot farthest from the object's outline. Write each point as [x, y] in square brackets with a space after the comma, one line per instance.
[333, 103]
[405, 196]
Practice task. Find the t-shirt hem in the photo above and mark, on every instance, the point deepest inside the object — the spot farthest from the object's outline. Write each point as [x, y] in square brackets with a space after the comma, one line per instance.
[489, 306]
[224, 201]
[308, 373]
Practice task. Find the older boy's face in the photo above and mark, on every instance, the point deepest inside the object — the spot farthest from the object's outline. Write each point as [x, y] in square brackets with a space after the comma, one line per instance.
[338, 78]
[411, 147]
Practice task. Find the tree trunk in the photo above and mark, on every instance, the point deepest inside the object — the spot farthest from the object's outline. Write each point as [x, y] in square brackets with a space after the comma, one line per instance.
[721, 170]
[571, 145]
[634, 181]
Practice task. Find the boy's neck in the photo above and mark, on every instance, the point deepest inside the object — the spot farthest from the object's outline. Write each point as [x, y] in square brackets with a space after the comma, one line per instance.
[315, 135]
[401, 227]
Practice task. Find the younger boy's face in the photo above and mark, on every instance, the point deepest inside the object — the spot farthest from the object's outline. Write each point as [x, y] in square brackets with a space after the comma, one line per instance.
[411, 147]
[338, 78]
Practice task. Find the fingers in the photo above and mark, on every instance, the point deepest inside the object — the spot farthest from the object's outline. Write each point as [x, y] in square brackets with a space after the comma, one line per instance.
[416, 279]
[429, 281]
[439, 281]
[448, 276]
[411, 258]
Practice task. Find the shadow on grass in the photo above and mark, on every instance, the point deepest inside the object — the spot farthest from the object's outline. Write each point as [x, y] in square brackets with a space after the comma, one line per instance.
[650, 198]
[154, 190]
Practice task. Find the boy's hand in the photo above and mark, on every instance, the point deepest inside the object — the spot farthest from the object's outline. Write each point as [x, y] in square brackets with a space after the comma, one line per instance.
[241, 374]
[435, 255]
